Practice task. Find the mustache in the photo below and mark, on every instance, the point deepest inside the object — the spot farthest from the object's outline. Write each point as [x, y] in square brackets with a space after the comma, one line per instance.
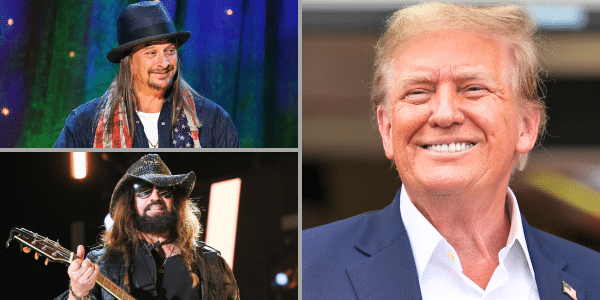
[159, 70]
[156, 202]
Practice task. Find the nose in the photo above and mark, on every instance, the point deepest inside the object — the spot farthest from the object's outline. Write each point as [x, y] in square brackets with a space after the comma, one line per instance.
[445, 108]
[154, 195]
[163, 60]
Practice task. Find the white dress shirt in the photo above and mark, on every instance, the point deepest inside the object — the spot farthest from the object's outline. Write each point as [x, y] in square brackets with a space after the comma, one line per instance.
[439, 269]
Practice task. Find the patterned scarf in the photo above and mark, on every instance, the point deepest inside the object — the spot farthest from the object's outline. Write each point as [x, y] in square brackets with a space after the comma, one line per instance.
[185, 133]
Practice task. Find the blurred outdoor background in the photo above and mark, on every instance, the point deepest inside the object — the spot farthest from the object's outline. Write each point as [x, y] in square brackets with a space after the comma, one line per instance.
[243, 55]
[345, 171]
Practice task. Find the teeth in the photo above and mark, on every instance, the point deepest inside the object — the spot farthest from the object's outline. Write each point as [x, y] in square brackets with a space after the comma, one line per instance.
[453, 147]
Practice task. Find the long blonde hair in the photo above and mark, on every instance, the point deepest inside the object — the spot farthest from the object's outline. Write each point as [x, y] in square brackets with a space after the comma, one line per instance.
[121, 92]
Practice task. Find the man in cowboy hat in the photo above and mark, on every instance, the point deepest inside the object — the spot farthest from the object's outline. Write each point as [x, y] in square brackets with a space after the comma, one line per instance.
[153, 250]
[148, 104]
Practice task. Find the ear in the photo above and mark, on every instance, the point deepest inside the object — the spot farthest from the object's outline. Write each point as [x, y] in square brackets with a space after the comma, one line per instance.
[530, 122]
[385, 129]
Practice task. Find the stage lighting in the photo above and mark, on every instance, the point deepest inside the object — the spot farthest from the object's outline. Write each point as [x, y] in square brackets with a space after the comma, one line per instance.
[79, 165]
[281, 279]
[221, 226]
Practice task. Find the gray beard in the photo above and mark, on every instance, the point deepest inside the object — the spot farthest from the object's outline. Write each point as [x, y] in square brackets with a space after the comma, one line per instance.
[157, 224]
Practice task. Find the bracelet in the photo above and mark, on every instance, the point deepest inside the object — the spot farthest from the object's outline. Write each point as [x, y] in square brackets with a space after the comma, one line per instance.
[86, 297]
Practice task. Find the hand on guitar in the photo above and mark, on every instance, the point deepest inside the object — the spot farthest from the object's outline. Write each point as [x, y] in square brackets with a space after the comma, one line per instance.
[83, 273]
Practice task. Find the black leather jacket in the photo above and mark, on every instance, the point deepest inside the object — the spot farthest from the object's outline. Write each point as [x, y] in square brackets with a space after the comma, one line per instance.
[217, 279]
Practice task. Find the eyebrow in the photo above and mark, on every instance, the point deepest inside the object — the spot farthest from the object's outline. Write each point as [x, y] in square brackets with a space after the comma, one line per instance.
[460, 75]
[470, 74]
[418, 77]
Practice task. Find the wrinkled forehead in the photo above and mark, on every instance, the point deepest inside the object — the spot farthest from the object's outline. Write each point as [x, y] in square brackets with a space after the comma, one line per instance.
[461, 55]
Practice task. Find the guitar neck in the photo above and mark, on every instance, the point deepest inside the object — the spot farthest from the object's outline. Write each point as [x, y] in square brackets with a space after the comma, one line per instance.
[112, 288]
[53, 250]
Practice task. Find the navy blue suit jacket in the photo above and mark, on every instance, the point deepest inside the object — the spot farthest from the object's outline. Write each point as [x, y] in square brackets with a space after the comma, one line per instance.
[369, 257]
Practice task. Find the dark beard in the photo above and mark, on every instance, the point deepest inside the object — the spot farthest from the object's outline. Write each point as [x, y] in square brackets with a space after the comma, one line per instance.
[156, 224]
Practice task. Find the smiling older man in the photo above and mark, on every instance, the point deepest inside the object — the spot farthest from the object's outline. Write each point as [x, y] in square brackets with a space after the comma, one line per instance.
[455, 94]
[148, 104]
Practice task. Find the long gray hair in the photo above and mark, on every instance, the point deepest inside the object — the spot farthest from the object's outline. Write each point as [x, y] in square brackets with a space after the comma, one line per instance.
[121, 92]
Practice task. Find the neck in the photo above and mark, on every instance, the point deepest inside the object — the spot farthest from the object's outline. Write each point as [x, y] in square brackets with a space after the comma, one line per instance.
[153, 238]
[475, 224]
[148, 100]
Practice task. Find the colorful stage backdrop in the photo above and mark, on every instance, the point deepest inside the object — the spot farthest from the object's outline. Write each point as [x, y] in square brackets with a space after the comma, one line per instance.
[242, 55]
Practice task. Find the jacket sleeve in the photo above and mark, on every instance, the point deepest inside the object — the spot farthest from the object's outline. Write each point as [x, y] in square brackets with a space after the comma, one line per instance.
[230, 136]
[219, 282]
[231, 288]
[79, 128]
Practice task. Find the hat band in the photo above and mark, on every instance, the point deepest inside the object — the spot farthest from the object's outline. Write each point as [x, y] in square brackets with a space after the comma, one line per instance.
[156, 29]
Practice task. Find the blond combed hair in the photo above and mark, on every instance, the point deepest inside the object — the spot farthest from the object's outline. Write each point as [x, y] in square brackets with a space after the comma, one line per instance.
[123, 238]
[512, 24]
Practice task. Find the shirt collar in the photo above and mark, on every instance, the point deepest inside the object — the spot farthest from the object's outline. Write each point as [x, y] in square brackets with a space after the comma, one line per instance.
[424, 238]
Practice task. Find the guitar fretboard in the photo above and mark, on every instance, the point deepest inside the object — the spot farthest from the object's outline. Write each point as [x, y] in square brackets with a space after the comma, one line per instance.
[112, 288]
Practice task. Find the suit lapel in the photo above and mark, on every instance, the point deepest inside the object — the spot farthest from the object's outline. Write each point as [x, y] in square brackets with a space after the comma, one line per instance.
[548, 266]
[390, 271]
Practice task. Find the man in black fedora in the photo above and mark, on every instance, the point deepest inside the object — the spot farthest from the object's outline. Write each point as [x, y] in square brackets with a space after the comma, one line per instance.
[153, 250]
[148, 104]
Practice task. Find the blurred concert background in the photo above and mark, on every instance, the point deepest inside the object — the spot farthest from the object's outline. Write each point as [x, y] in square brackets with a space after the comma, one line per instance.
[242, 54]
[345, 171]
[42, 194]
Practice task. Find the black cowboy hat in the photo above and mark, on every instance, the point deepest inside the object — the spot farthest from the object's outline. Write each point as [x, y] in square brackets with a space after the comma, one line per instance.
[152, 169]
[143, 22]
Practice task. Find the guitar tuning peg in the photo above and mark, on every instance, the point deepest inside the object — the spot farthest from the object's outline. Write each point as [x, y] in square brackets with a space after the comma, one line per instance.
[37, 256]
[46, 262]
[26, 250]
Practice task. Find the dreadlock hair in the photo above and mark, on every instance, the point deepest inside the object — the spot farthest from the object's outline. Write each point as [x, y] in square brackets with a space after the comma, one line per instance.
[123, 238]
[121, 91]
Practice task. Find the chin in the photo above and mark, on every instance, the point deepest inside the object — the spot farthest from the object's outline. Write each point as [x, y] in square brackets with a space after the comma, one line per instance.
[160, 85]
[155, 214]
[445, 182]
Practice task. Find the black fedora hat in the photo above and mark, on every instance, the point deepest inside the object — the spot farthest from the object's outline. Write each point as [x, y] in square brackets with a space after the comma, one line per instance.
[152, 169]
[143, 22]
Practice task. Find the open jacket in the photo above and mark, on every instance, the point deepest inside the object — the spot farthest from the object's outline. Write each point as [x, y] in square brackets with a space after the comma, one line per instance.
[217, 129]
[216, 278]
[369, 257]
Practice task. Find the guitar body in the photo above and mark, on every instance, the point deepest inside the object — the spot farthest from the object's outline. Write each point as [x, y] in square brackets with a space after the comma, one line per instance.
[55, 252]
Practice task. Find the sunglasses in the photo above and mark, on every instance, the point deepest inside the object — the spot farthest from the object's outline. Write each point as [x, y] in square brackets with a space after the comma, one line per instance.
[144, 189]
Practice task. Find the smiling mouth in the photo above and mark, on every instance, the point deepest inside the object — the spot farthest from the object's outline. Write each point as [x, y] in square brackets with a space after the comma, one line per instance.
[156, 206]
[452, 147]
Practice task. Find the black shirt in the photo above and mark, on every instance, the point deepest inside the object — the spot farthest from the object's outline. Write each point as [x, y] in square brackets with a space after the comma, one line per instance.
[173, 280]
[177, 281]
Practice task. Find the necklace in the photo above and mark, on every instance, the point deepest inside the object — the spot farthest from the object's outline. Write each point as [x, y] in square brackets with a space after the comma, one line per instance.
[152, 145]
[159, 251]
[171, 252]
